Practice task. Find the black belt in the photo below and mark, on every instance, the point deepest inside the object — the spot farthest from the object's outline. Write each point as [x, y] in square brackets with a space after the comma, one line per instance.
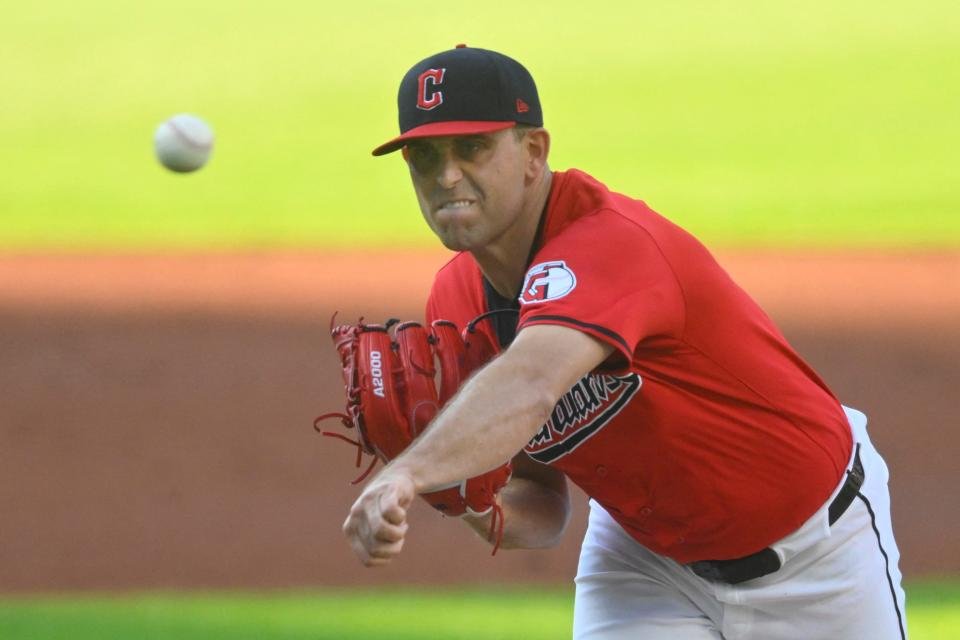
[767, 561]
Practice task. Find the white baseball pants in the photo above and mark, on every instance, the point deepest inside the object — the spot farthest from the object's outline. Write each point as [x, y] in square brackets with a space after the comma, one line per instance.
[837, 583]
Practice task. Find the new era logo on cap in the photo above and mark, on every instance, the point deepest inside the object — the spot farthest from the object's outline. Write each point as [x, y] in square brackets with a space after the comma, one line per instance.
[464, 91]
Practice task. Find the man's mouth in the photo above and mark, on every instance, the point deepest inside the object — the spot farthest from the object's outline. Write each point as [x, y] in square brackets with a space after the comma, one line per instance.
[452, 205]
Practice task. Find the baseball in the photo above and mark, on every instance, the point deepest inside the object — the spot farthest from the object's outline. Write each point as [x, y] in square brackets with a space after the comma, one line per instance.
[183, 143]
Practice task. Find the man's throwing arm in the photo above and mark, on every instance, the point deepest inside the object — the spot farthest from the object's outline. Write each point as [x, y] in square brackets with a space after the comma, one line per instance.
[488, 421]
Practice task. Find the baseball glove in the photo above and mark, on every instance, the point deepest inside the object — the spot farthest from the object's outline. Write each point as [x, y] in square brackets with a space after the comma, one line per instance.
[389, 374]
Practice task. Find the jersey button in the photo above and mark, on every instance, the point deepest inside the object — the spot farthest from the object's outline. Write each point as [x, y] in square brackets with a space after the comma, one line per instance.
[601, 470]
[681, 540]
[646, 511]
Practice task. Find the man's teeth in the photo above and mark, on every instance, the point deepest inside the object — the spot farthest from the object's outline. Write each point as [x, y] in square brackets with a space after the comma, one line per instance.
[457, 204]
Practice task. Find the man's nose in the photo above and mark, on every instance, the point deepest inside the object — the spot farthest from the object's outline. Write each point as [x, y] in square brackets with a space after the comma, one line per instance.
[450, 173]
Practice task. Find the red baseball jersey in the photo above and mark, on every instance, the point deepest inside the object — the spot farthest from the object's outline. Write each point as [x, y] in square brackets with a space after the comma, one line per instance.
[704, 435]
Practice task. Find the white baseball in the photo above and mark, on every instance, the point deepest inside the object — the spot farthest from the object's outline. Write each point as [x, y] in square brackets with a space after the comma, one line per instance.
[183, 142]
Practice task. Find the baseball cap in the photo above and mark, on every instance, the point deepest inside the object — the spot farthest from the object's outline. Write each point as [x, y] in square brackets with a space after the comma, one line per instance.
[464, 91]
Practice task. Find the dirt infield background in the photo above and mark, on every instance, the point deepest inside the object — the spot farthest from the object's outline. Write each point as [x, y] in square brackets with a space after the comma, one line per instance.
[156, 413]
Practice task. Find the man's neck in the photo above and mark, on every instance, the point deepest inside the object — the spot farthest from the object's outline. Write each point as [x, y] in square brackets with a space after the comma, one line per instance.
[504, 261]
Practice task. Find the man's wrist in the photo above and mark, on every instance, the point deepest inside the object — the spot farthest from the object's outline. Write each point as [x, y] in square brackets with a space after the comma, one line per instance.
[402, 468]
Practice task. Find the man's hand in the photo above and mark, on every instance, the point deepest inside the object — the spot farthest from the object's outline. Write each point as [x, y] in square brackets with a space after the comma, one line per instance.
[377, 523]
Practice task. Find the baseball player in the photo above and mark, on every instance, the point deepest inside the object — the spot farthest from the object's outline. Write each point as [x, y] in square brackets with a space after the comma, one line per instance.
[732, 495]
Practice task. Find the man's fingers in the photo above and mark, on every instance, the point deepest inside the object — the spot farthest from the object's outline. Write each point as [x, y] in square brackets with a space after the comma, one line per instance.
[368, 559]
[394, 515]
[390, 507]
[391, 532]
[376, 553]
[376, 562]
[387, 551]
[376, 528]
[377, 524]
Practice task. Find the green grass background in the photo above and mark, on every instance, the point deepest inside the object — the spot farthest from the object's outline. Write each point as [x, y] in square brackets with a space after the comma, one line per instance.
[826, 123]
[461, 614]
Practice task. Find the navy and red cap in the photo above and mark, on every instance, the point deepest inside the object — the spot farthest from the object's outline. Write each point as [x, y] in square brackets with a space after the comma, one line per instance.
[464, 91]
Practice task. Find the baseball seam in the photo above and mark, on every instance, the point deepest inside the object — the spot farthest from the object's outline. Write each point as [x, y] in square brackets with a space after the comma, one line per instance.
[186, 139]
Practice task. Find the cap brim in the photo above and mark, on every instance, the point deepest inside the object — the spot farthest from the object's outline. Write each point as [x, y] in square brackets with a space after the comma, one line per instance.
[436, 129]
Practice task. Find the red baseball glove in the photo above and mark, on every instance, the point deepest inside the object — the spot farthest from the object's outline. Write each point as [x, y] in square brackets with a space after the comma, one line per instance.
[389, 374]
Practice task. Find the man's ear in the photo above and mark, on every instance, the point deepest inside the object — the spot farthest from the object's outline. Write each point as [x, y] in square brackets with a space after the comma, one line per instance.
[405, 152]
[537, 145]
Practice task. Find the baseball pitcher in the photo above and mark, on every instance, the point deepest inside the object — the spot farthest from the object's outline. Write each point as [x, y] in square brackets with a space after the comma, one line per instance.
[580, 336]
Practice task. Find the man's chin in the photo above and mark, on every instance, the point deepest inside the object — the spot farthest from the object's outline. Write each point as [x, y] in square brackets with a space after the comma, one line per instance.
[460, 243]
[455, 244]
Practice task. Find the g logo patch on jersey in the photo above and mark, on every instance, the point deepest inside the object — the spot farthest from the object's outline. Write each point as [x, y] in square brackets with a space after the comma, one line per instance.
[547, 281]
[582, 412]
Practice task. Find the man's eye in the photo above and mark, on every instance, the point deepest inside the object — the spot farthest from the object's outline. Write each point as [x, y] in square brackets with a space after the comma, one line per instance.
[468, 148]
[423, 158]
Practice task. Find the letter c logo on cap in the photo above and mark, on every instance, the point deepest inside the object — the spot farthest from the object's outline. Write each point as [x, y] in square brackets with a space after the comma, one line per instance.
[434, 77]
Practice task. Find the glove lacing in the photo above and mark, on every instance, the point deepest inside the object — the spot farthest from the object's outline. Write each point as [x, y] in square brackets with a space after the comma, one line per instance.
[472, 325]
[345, 419]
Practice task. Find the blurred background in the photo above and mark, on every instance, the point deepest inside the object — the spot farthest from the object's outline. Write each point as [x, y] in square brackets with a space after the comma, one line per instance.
[163, 337]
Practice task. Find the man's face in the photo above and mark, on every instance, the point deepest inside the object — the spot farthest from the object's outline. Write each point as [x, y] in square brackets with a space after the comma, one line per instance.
[471, 188]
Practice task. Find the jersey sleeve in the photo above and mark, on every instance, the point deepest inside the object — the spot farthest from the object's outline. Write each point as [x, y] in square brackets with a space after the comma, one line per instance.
[606, 276]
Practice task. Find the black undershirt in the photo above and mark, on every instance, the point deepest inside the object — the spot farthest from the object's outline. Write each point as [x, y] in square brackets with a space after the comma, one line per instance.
[505, 324]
